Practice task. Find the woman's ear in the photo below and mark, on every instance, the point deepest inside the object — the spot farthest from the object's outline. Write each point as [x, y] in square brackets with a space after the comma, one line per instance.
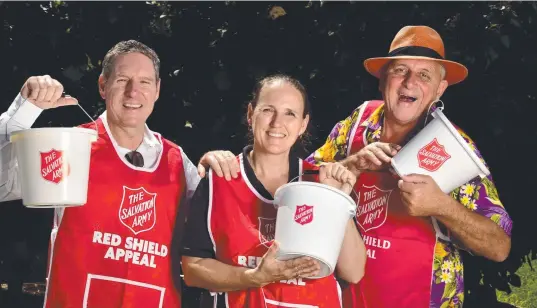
[304, 126]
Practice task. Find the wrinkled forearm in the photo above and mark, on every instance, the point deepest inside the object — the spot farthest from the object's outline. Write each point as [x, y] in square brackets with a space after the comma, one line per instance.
[475, 232]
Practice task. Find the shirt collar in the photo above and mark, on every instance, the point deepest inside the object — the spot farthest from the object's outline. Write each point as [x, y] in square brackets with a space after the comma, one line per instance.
[149, 136]
[376, 119]
[375, 122]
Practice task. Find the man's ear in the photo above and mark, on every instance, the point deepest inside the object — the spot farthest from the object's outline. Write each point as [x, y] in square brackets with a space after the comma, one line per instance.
[441, 88]
[101, 83]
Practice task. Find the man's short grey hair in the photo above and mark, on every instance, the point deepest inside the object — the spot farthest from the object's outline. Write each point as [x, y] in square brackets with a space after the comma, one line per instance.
[385, 67]
[442, 71]
[125, 47]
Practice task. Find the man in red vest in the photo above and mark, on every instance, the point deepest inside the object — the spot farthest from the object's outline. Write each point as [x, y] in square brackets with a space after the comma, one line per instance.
[412, 230]
[114, 251]
[413, 239]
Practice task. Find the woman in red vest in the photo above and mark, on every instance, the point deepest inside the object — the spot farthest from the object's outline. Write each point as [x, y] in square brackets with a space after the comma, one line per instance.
[228, 245]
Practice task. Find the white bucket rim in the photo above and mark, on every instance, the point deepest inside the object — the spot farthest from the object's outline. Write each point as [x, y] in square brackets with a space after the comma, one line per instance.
[462, 142]
[48, 130]
[320, 185]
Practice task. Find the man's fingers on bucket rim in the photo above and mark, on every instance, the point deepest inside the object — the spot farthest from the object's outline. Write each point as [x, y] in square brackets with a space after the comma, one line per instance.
[370, 156]
[405, 187]
[415, 178]
[396, 147]
[389, 148]
[380, 154]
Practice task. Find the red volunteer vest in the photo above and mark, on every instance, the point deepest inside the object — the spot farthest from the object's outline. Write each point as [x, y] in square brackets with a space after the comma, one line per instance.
[115, 250]
[400, 247]
[242, 225]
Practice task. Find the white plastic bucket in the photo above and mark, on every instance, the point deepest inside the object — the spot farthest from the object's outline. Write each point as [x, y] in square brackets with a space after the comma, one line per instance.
[440, 152]
[311, 221]
[53, 165]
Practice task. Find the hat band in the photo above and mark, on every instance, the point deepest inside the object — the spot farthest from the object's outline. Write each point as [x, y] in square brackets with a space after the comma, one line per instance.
[415, 51]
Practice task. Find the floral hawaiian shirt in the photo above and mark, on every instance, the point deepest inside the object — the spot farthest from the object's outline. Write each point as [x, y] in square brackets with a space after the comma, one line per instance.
[479, 195]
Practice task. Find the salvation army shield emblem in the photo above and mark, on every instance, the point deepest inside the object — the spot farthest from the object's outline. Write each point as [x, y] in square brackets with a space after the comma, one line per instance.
[267, 227]
[138, 209]
[53, 166]
[372, 207]
[432, 156]
[304, 214]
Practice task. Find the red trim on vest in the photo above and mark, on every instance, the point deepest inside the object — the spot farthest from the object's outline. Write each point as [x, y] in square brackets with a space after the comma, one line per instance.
[358, 137]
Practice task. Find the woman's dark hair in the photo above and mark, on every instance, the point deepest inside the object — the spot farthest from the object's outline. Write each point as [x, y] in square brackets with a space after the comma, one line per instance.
[300, 146]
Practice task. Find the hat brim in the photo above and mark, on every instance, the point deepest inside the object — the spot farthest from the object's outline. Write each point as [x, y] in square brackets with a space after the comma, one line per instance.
[455, 72]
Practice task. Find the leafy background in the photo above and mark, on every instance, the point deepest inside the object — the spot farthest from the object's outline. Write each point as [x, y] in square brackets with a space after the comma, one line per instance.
[211, 54]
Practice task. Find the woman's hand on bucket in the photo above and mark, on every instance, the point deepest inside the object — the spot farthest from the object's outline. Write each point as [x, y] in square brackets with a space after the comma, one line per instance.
[375, 156]
[337, 176]
[45, 92]
[271, 270]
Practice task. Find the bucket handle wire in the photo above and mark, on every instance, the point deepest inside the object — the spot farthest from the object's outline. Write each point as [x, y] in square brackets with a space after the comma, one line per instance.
[429, 110]
[78, 104]
[316, 172]
[94, 122]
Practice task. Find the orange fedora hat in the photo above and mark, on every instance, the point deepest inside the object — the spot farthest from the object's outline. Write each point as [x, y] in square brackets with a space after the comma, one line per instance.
[418, 42]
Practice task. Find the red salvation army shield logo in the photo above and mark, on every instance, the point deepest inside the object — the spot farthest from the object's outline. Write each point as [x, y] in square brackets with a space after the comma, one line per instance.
[138, 209]
[304, 214]
[52, 166]
[372, 207]
[432, 156]
[266, 227]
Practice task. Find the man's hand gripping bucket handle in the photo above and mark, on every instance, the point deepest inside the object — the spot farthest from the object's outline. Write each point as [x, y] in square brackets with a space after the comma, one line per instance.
[84, 110]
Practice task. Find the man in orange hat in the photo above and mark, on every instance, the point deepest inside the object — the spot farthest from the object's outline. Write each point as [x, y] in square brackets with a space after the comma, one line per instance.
[413, 231]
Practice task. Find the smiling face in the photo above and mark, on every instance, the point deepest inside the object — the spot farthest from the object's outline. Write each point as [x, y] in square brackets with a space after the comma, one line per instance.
[278, 118]
[409, 87]
[130, 91]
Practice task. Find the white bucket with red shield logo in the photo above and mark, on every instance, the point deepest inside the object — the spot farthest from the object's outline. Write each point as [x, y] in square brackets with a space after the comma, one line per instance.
[311, 221]
[440, 152]
[53, 165]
